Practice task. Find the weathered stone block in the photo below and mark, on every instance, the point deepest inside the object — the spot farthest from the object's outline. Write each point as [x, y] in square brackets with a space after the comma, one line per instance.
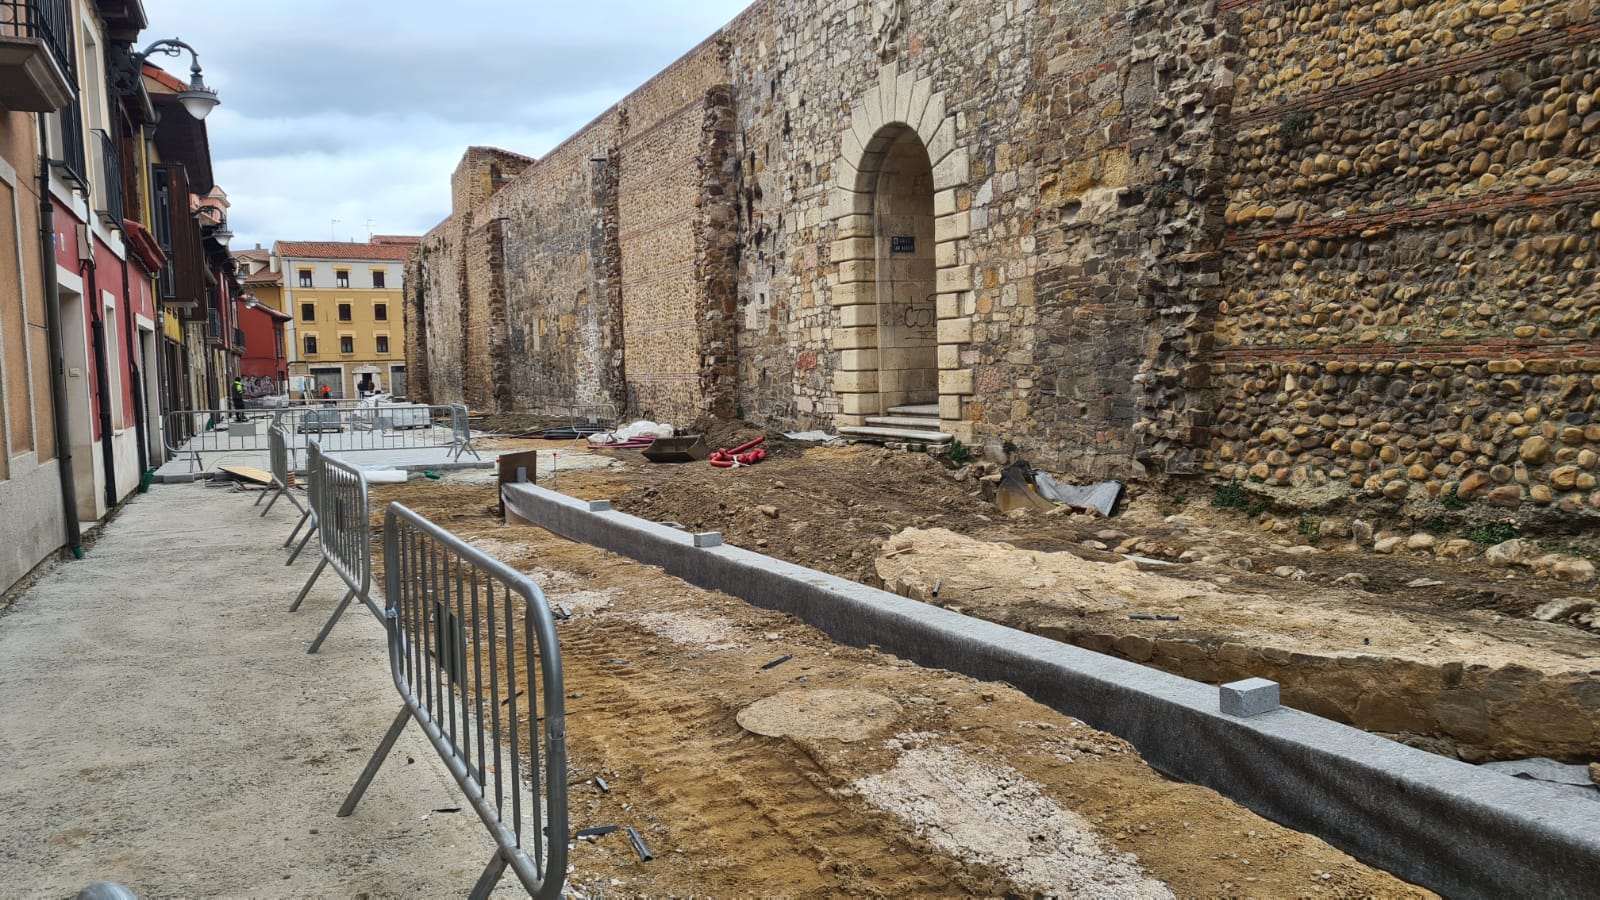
[958, 381]
[855, 382]
[955, 331]
[855, 338]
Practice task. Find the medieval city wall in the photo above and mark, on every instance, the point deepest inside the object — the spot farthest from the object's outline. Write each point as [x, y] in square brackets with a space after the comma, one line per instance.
[1337, 243]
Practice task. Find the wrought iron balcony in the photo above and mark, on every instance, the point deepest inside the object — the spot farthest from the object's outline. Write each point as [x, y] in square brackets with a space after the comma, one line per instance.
[108, 194]
[37, 69]
[238, 340]
[214, 327]
[72, 164]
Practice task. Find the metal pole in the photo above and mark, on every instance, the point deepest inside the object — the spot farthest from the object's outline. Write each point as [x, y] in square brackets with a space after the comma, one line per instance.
[58, 365]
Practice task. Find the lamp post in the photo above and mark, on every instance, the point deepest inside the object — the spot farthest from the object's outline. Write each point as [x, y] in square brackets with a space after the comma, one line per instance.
[219, 231]
[198, 99]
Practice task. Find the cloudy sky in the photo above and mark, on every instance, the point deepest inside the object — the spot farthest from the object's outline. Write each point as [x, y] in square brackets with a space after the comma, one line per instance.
[358, 110]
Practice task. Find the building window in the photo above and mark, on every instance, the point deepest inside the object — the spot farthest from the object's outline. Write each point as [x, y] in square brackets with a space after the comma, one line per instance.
[308, 312]
[311, 345]
[383, 343]
[347, 344]
[344, 312]
[342, 278]
[305, 278]
[377, 278]
[380, 311]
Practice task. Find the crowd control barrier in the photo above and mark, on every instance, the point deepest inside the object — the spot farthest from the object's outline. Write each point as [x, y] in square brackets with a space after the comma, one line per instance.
[474, 656]
[278, 454]
[339, 508]
[409, 426]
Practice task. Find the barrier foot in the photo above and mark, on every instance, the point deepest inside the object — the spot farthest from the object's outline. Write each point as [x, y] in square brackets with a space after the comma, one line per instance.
[333, 620]
[489, 878]
[303, 542]
[376, 762]
[315, 573]
[263, 493]
[305, 514]
[275, 495]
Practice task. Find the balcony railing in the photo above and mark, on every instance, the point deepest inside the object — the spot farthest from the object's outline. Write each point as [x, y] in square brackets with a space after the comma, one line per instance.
[45, 21]
[109, 194]
[74, 167]
[213, 326]
[37, 71]
[238, 340]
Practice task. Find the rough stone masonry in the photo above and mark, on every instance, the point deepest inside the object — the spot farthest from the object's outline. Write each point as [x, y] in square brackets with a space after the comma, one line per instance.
[1307, 242]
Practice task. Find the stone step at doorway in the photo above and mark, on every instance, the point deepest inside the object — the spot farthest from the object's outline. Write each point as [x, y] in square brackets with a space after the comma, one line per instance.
[929, 423]
[920, 410]
[880, 434]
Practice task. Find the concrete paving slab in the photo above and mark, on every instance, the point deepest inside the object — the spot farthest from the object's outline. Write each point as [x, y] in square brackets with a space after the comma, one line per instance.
[163, 726]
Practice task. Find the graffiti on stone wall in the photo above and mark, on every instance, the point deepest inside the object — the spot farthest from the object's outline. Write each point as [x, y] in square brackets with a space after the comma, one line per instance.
[260, 386]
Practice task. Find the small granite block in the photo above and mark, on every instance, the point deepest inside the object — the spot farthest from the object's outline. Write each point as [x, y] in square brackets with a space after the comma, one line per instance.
[599, 506]
[708, 539]
[1250, 697]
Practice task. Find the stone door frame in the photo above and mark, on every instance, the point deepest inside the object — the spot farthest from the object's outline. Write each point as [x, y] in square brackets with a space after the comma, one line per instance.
[899, 100]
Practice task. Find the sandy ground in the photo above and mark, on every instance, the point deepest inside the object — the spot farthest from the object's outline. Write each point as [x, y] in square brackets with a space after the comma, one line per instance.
[1294, 587]
[757, 758]
[163, 726]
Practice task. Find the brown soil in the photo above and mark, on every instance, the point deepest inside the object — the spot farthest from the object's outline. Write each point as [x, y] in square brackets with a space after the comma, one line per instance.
[928, 783]
[1442, 632]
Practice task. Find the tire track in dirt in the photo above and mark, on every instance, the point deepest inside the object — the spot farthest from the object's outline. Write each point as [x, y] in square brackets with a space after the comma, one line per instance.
[770, 818]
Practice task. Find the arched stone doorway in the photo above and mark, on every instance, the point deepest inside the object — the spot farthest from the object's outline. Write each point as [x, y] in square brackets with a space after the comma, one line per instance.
[903, 294]
[904, 277]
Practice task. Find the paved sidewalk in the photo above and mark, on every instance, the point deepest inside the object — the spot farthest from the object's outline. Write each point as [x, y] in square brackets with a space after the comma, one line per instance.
[162, 725]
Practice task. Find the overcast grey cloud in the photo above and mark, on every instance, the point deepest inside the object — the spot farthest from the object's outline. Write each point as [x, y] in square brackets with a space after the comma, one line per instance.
[358, 111]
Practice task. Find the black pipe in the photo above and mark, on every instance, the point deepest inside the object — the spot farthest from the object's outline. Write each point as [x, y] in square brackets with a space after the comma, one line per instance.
[134, 383]
[102, 374]
[58, 365]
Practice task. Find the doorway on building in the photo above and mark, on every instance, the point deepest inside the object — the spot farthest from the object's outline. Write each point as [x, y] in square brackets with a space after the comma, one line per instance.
[902, 215]
[86, 471]
[397, 382]
[331, 378]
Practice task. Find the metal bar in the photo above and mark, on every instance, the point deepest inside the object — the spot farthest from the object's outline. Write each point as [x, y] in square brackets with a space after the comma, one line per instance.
[315, 574]
[385, 747]
[332, 621]
[489, 878]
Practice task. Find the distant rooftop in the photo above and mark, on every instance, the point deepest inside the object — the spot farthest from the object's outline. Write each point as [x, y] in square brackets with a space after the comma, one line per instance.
[390, 247]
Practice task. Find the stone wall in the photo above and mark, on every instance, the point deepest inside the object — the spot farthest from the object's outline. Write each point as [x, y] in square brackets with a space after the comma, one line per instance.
[1410, 303]
[1341, 242]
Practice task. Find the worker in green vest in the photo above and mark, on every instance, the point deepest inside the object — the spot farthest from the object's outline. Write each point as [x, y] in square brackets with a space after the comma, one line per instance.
[238, 399]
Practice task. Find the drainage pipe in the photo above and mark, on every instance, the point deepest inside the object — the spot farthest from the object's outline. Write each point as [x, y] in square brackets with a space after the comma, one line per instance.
[55, 342]
[102, 372]
[135, 385]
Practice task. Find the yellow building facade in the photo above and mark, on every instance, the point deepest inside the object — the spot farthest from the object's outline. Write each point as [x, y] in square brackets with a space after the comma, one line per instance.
[346, 333]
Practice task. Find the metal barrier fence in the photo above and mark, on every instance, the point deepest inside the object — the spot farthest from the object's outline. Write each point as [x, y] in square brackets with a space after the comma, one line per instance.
[278, 452]
[581, 418]
[339, 425]
[399, 427]
[469, 638]
[340, 506]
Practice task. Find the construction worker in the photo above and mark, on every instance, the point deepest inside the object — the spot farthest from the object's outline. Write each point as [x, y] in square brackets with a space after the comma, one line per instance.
[238, 399]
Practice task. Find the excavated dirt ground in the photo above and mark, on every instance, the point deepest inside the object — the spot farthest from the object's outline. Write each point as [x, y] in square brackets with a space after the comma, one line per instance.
[1437, 650]
[869, 776]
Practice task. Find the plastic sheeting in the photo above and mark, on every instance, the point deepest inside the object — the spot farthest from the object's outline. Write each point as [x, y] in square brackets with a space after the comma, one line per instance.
[1100, 497]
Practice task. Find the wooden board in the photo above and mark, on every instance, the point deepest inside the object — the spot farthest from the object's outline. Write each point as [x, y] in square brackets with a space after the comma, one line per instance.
[247, 473]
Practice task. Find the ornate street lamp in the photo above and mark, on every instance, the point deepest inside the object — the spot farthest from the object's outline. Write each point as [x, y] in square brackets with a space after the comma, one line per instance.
[199, 100]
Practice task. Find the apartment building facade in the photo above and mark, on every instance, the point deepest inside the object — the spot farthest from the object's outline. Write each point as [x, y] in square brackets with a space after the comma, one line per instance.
[345, 332]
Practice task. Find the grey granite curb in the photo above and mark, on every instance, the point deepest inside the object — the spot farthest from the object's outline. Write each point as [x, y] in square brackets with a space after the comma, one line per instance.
[1452, 827]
